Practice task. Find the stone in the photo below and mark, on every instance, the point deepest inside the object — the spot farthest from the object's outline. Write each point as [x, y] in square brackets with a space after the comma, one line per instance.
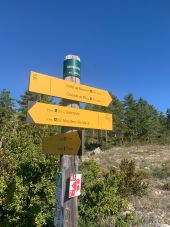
[96, 151]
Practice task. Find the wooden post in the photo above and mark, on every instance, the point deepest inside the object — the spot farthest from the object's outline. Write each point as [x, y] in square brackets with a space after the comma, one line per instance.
[69, 164]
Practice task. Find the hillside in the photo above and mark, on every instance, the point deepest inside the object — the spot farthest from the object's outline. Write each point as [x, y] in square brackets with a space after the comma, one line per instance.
[27, 189]
[153, 161]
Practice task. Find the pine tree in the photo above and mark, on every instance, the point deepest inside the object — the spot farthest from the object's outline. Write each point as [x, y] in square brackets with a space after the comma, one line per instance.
[168, 118]
[7, 105]
[117, 110]
[7, 114]
[130, 117]
[148, 121]
[162, 120]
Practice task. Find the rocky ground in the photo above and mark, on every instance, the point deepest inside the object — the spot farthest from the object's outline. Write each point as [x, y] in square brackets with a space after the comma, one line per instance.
[152, 209]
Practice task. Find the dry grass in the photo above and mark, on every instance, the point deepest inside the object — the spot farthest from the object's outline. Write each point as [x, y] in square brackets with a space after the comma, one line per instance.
[154, 161]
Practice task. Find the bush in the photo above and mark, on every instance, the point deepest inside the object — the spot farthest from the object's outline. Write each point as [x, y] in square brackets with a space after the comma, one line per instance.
[103, 194]
[130, 181]
[27, 188]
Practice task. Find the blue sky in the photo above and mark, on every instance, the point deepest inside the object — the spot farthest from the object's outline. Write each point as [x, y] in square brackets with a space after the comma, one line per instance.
[124, 45]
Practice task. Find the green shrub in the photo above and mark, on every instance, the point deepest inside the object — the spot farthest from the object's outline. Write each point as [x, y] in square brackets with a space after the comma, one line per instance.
[27, 188]
[130, 181]
[103, 194]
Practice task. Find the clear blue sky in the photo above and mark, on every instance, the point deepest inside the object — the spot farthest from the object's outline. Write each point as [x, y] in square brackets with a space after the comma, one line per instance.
[124, 45]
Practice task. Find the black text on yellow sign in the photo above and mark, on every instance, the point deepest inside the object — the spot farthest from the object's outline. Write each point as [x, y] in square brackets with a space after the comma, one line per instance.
[48, 85]
[71, 143]
[48, 114]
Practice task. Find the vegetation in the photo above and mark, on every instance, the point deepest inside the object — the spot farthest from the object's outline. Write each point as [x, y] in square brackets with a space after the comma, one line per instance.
[104, 195]
[134, 122]
[27, 176]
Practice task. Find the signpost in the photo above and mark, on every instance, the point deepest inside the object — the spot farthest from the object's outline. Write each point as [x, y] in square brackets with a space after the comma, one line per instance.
[42, 113]
[48, 85]
[71, 143]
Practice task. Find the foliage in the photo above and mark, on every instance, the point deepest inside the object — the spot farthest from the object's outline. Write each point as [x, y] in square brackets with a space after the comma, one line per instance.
[6, 105]
[130, 181]
[28, 198]
[117, 110]
[103, 194]
[130, 117]
[134, 121]
[27, 175]
[168, 118]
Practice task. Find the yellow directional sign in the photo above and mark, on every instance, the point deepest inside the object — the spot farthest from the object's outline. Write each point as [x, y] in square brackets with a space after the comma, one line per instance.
[42, 113]
[53, 86]
[66, 143]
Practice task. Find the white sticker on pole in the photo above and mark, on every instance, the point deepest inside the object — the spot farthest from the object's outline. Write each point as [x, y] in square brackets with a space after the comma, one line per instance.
[75, 185]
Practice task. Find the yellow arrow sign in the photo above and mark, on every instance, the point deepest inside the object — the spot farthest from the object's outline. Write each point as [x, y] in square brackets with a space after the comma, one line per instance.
[42, 113]
[52, 86]
[66, 143]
